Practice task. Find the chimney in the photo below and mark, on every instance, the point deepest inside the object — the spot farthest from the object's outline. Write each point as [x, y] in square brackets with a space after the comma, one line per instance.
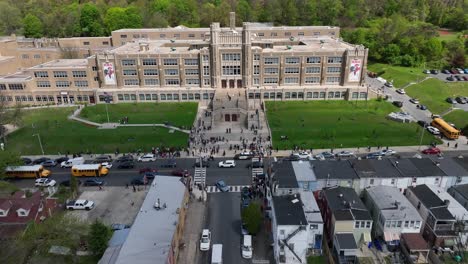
[232, 20]
[446, 202]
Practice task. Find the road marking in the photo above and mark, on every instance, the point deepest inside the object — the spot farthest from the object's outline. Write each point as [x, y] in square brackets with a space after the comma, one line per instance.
[199, 176]
[235, 188]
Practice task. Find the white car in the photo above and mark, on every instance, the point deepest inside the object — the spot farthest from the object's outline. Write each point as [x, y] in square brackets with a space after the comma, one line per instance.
[43, 182]
[387, 152]
[107, 165]
[401, 91]
[414, 100]
[227, 164]
[205, 240]
[147, 158]
[303, 155]
[433, 130]
[345, 153]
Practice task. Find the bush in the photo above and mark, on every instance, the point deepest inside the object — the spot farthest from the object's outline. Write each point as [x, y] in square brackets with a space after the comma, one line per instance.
[98, 237]
[252, 217]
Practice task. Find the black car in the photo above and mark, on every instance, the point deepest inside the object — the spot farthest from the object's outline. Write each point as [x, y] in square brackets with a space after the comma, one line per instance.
[66, 183]
[459, 78]
[61, 159]
[446, 71]
[150, 175]
[116, 227]
[93, 182]
[450, 100]
[169, 164]
[40, 160]
[450, 78]
[398, 103]
[26, 161]
[137, 181]
[125, 158]
[422, 107]
[460, 100]
[434, 71]
[126, 165]
[293, 157]
[422, 123]
[204, 164]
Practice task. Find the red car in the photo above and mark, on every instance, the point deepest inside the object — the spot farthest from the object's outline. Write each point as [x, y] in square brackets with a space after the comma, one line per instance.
[147, 169]
[431, 151]
[181, 173]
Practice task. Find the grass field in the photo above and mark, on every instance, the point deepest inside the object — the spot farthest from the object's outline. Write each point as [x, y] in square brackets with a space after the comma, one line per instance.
[400, 75]
[458, 117]
[335, 124]
[433, 92]
[315, 260]
[178, 114]
[445, 35]
[59, 135]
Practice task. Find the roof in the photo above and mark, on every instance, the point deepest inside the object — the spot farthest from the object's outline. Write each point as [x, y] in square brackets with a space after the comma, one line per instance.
[30, 204]
[346, 241]
[303, 171]
[392, 203]
[86, 166]
[63, 63]
[333, 169]
[24, 168]
[414, 241]
[345, 204]
[115, 244]
[462, 190]
[427, 167]
[288, 210]
[454, 207]
[150, 237]
[372, 168]
[310, 207]
[462, 162]
[452, 166]
[431, 201]
[284, 174]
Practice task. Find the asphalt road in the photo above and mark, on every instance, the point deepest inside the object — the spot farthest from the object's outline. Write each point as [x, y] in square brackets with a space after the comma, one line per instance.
[239, 175]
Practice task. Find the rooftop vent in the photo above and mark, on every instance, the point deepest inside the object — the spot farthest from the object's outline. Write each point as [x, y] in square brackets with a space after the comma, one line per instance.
[295, 201]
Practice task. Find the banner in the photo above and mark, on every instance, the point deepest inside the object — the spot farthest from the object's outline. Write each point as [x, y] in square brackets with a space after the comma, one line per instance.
[355, 70]
[109, 73]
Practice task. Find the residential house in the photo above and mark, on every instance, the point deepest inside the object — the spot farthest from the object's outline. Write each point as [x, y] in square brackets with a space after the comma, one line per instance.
[314, 218]
[373, 172]
[414, 248]
[305, 175]
[392, 213]
[283, 179]
[460, 193]
[331, 173]
[456, 169]
[439, 223]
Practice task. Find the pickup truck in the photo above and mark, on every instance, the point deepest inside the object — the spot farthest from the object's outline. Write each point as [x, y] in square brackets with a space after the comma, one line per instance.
[80, 205]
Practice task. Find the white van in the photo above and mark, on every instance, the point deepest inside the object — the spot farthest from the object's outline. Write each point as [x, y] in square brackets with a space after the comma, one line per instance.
[217, 254]
[71, 162]
[247, 247]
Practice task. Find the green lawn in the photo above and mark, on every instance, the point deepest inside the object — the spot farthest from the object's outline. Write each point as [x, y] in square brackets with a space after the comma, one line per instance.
[458, 117]
[401, 76]
[179, 114]
[59, 135]
[335, 124]
[433, 92]
[315, 260]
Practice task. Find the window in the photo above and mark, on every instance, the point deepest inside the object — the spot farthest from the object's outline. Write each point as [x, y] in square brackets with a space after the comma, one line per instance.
[150, 72]
[333, 79]
[191, 35]
[271, 60]
[371, 181]
[231, 56]
[419, 205]
[256, 70]
[333, 69]
[271, 70]
[291, 80]
[79, 74]
[287, 34]
[273, 34]
[393, 225]
[256, 57]
[270, 80]
[356, 224]
[37, 56]
[94, 68]
[261, 34]
[411, 224]
[86, 43]
[322, 94]
[436, 181]
[172, 82]
[2, 86]
[393, 182]
[232, 70]
[300, 34]
[334, 59]
[60, 74]
[292, 60]
[312, 80]
[314, 226]
[205, 58]
[62, 83]
[399, 224]
[206, 70]
[312, 69]
[25, 56]
[331, 94]
[417, 224]
[15, 86]
[43, 84]
[206, 82]
[316, 95]
[171, 72]
[123, 36]
[41, 74]
[191, 71]
[131, 82]
[81, 83]
[256, 81]
[129, 72]
[170, 61]
[362, 94]
[368, 224]
[147, 62]
[313, 60]
[151, 82]
[192, 81]
[105, 43]
[162, 35]
[128, 62]
[191, 61]
[291, 70]
[176, 35]
[406, 224]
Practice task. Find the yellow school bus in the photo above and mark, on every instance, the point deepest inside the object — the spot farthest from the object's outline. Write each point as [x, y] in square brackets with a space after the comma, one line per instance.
[89, 170]
[447, 130]
[34, 171]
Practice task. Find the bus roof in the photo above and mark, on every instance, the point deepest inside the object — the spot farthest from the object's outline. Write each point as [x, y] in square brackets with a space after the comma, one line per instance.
[24, 168]
[86, 167]
[445, 125]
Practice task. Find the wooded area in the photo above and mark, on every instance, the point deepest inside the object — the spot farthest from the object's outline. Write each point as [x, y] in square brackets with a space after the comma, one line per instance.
[402, 32]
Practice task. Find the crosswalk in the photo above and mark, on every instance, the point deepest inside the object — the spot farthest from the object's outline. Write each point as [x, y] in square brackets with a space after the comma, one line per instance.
[200, 176]
[236, 188]
[256, 171]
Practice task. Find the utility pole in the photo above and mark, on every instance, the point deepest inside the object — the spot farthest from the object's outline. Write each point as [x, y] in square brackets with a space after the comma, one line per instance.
[40, 143]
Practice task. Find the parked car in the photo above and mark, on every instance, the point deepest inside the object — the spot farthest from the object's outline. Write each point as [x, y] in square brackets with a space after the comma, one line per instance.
[458, 77]
[147, 158]
[150, 175]
[103, 158]
[398, 103]
[180, 172]
[426, 71]
[221, 185]
[124, 158]
[375, 155]
[344, 154]
[26, 161]
[170, 163]
[61, 159]
[227, 164]
[147, 169]
[389, 84]
[137, 181]
[466, 70]
[205, 240]
[93, 182]
[454, 71]
[460, 100]
[49, 163]
[433, 130]
[126, 165]
[445, 71]
[293, 157]
[39, 160]
[204, 164]
[106, 164]
[44, 182]
[79, 205]
[450, 100]
[401, 91]
[303, 155]
[326, 154]
[421, 107]
[422, 123]
[460, 71]
[465, 78]
[66, 183]
[450, 78]
[434, 71]
[388, 152]
[116, 227]
[244, 230]
[432, 150]
[414, 100]
[244, 155]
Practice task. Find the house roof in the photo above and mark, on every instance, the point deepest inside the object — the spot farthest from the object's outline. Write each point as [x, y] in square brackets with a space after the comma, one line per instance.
[372, 168]
[392, 203]
[462, 190]
[414, 241]
[332, 169]
[427, 167]
[288, 210]
[311, 208]
[303, 171]
[431, 201]
[5, 205]
[284, 175]
[454, 207]
[406, 168]
[346, 241]
[345, 204]
[150, 237]
[17, 202]
[452, 166]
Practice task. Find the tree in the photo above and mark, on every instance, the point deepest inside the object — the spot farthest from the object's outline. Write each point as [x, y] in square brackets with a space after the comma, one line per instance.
[252, 217]
[74, 186]
[98, 237]
[90, 21]
[8, 158]
[33, 27]
[10, 18]
[118, 17]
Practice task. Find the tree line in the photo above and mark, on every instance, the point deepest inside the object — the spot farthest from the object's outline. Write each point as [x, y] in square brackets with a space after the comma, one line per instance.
[396, 31]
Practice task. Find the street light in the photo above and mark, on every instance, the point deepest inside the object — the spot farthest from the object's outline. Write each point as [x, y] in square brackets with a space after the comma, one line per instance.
[422, 135]
[40, 143]
[107, 99]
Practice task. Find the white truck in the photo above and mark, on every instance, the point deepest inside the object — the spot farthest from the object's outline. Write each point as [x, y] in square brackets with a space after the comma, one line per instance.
[80, 205]
[71, 162]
